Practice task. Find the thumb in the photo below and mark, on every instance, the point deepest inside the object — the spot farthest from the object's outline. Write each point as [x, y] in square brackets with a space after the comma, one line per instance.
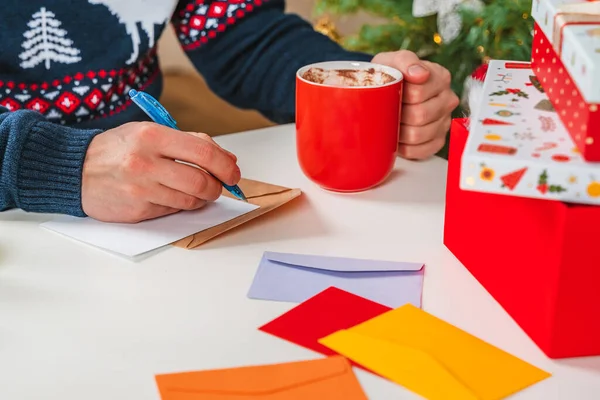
[407, 62]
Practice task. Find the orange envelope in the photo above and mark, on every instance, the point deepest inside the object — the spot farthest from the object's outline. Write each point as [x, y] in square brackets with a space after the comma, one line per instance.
[266, 196]
[328, 378]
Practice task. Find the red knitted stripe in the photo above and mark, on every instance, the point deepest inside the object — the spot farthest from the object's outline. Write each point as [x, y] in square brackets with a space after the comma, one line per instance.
[81, 96]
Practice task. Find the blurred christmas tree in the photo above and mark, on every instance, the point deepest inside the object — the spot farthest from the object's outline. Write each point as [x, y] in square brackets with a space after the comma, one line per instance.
[461, 35]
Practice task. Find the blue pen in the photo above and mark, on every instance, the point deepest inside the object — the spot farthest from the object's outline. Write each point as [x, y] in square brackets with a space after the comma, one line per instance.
[157, 112]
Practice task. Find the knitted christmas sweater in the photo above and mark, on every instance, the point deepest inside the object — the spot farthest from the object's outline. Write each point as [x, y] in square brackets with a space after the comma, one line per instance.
[66, 67]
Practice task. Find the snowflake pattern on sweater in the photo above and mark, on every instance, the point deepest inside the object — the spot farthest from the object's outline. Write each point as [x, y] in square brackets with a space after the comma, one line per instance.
[81, 96]
[199, 21]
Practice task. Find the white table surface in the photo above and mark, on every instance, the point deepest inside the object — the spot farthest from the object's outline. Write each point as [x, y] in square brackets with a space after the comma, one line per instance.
[79, 323]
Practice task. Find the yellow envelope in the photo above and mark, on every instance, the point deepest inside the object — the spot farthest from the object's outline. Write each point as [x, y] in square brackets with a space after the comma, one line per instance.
[433, 358]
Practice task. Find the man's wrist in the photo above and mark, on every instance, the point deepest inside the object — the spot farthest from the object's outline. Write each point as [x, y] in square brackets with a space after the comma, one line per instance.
[48, 178]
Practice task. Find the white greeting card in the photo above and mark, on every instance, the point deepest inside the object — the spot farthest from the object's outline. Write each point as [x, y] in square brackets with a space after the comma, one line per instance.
[135, 239]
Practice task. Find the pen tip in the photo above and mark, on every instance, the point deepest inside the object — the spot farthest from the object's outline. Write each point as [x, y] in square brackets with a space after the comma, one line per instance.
[132, 92]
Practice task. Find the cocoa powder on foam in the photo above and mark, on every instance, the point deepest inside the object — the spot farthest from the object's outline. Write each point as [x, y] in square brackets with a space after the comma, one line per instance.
[348, 77]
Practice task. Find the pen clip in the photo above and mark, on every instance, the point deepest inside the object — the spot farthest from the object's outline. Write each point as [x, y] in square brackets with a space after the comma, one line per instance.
[152, 108]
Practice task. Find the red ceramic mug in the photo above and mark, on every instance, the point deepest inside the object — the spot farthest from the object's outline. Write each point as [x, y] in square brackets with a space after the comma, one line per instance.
[347, 136]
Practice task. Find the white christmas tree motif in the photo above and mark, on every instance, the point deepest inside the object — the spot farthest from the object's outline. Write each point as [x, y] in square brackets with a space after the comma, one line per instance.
[47, 42]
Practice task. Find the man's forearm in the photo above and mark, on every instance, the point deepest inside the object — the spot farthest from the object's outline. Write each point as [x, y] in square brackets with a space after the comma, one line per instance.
[40, 163]
[253, 63]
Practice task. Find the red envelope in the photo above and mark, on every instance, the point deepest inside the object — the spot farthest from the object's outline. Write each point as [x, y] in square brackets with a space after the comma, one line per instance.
[321, 315]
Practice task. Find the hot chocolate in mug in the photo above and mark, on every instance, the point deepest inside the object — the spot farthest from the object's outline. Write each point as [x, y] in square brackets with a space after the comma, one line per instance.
[347, 123]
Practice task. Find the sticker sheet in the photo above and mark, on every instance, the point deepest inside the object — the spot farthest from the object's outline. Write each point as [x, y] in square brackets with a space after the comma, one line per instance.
[518, 146]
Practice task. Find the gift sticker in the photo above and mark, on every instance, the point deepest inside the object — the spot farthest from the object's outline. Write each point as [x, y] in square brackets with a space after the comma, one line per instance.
[593, 189]
[546, 146]
[517, 93]
[594, 33]
[535, 82]
[497, 149]
[512, 179]
[486, 174]
[561, 158]
[492, 136]
[543, 187]
[506, 113]
[545, 105]
[524, 136]
[517, 65]
[504, 78]
[491, 121]
[547, 123]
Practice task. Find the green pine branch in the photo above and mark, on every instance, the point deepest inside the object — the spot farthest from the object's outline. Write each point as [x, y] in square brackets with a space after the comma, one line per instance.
[500, 30]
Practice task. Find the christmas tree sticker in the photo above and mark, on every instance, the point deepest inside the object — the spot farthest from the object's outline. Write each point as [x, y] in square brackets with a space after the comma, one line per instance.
[47, 42]
[512, 179]
[543, 187]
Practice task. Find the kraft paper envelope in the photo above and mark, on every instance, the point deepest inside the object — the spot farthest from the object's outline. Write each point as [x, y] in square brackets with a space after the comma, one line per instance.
[433, 358]
[266, 196]
[327, 378]
[298, 277]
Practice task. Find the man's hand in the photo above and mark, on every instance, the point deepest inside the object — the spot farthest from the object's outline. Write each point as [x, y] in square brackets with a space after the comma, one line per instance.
[130, 173]
[427, 105]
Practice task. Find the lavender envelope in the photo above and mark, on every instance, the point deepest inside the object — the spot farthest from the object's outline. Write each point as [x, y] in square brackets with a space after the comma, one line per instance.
[298, 277]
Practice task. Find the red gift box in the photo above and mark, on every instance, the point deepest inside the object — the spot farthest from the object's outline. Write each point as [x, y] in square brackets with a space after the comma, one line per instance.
[536, 257]
[581, 119]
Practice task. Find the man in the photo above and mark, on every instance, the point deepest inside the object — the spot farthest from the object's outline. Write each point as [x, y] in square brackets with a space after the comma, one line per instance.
[69, 142]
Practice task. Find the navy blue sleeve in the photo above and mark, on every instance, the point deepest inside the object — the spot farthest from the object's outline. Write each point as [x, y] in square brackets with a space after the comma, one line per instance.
[249, 51]
[41, 163]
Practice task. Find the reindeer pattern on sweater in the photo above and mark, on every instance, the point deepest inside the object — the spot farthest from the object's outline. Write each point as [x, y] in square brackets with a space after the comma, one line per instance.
[136, 14]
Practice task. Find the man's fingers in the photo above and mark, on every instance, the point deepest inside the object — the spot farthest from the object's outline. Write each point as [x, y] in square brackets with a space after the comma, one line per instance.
[413, 69]
[421, 151]
[427, 102]
[171, 198]
[431, 110]
[415, 135]
[210, 139]
[187, 179]
[146, 212]
[202, 152]
[156, 211]
[419, 93]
